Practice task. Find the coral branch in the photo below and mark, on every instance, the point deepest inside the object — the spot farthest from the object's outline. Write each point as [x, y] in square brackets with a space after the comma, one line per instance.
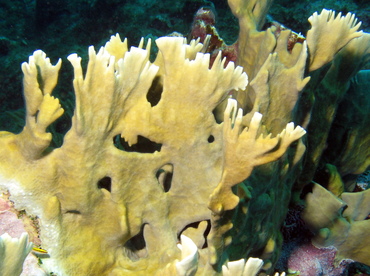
[243, 150]
[40, 78]
[329, 33]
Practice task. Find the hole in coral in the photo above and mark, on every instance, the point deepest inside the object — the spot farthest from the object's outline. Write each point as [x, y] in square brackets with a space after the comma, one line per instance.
[200, 226]
[105, 183]
[211, 139]
[73, 212]
[218, 111]
[155, 91]
[164, 176]
[136, 246]
[306, 189]
[217, 114]
[143, 145]
[117, 142]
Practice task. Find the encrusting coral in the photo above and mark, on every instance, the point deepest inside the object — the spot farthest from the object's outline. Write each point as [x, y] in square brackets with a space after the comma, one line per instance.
[148, 180]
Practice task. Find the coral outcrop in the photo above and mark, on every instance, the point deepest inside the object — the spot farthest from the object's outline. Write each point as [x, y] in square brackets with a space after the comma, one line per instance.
[96, 200]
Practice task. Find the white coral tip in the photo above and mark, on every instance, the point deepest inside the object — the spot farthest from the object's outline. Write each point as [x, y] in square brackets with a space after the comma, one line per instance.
[242, 268]
[233, 268]
[256, 120]
[13, 252]
[189, 257]
[252, 267]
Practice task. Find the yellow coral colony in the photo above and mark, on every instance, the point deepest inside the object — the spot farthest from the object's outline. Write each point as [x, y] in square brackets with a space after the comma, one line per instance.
[106, 211]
